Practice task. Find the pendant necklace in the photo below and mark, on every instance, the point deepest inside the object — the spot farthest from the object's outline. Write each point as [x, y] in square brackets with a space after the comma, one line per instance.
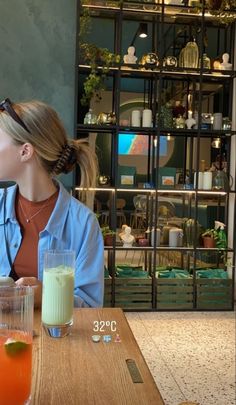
[36, 213]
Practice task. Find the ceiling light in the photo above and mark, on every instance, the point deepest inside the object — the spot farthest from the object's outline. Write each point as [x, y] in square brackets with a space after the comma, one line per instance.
[142, 32]
[143, 29]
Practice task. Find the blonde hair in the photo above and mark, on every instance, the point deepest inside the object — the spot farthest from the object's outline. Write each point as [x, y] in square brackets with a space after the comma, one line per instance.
[57, 153]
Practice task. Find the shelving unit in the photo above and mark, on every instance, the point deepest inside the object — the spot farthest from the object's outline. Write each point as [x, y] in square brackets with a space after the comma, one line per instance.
[207, 87]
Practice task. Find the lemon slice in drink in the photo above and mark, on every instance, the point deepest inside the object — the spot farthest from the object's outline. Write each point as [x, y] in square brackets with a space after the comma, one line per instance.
[13, 347]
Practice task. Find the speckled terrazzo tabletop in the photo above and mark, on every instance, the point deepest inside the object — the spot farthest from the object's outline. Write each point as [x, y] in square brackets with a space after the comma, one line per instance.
[191, 354]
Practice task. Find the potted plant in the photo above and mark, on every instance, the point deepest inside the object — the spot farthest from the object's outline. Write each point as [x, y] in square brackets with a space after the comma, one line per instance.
[99, 60]
[107, 234]
[209, 238]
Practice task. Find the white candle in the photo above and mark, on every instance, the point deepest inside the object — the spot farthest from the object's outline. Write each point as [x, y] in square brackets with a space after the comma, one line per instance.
[158, 237]
[217, 121]
[136, 118]
[200, 180]
[207, 181]
[147, 118]
[175, 237]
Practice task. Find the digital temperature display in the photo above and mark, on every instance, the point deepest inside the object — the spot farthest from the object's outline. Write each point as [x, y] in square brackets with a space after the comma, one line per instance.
[102, 326]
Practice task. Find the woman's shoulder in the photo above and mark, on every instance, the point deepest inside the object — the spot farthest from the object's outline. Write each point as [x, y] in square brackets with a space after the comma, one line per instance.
[76, 209]
[81, 208]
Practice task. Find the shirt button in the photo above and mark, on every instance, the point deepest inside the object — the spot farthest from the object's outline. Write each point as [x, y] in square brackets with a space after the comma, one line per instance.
[15, 245]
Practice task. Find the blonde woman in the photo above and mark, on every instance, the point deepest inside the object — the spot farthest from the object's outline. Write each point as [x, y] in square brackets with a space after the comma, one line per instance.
[37, 213]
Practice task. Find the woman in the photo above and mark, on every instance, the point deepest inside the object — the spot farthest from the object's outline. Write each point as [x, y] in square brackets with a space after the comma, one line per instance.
[37, 213]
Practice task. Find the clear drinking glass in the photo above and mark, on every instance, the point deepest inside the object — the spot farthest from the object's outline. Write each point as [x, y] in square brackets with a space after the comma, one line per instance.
[58, 292]
[16, 335]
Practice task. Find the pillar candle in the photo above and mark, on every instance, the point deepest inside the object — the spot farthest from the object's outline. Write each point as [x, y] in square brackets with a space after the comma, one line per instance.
[175, 237]
[147, 118]
[217, 122]
[200, 180]
[158, 237]
[207, 181]
[136, 118]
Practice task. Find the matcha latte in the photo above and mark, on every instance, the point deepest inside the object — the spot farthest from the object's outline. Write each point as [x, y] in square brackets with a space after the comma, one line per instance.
[58, 295]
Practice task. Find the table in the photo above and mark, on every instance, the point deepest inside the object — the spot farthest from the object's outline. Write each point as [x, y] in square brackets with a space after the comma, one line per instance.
[75, 370]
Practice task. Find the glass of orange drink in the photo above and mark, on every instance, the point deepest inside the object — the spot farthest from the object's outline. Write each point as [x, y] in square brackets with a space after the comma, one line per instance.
[16, 334]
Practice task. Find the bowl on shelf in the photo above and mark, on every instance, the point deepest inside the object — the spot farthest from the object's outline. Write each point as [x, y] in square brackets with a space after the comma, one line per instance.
[143, 242]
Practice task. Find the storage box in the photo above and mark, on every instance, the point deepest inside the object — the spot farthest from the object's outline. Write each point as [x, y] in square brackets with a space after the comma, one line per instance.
[174, 293]
[133, 293]
[214, 293]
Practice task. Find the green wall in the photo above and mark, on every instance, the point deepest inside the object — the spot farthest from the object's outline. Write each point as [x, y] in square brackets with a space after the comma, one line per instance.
[37, 55]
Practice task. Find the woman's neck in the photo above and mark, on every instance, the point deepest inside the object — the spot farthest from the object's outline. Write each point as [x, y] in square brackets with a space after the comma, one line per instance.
[37, 188]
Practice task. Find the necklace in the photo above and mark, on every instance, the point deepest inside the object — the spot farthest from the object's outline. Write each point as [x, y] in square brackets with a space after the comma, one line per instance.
[36, 213]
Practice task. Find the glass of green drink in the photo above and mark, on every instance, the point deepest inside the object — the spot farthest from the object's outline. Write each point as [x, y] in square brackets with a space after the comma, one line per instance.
[58, 292]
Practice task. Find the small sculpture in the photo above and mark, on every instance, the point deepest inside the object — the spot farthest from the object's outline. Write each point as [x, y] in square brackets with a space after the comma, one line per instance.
[130, 57]
[106, 118]
[170, 61]
[103, 180]
[225, 65]
[122, 231]
[127, 238]
[150, 59]
[190, 121]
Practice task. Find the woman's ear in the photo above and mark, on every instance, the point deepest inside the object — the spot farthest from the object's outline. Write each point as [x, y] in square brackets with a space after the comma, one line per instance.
[26, 151]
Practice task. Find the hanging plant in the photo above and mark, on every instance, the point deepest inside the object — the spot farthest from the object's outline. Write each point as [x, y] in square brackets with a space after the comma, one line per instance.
[99, 59]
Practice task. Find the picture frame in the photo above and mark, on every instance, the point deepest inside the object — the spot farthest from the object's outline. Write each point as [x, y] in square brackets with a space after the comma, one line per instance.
[127, 180]
[167, 181]
[126, 176]
[167, 177]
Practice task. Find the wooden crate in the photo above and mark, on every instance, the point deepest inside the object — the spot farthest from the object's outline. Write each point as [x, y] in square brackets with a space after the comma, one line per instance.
[107, 293]
[174, 293]
[214, 293]
[133, 293]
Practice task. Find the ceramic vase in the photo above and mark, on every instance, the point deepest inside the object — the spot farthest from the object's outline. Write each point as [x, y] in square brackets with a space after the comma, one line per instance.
[191, 55]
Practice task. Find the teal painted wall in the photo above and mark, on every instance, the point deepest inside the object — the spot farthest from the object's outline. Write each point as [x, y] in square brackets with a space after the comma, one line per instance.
[37, 55]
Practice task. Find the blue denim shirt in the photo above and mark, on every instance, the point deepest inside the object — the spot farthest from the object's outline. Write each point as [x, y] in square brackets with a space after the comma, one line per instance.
[71, 226]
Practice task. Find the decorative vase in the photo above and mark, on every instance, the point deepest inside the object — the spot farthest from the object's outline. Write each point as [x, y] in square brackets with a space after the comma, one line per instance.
[220, 181]
[191, 55]
[90, 118]
[206, 62]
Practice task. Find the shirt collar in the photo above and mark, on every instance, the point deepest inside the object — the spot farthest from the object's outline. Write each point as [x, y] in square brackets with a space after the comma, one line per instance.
[7, 197]
[58, 217]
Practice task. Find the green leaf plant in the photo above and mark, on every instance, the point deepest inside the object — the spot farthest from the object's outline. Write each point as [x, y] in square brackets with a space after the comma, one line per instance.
[99, 59]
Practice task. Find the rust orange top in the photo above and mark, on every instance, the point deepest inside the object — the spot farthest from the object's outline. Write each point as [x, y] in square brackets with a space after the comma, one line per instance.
[32, 217]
